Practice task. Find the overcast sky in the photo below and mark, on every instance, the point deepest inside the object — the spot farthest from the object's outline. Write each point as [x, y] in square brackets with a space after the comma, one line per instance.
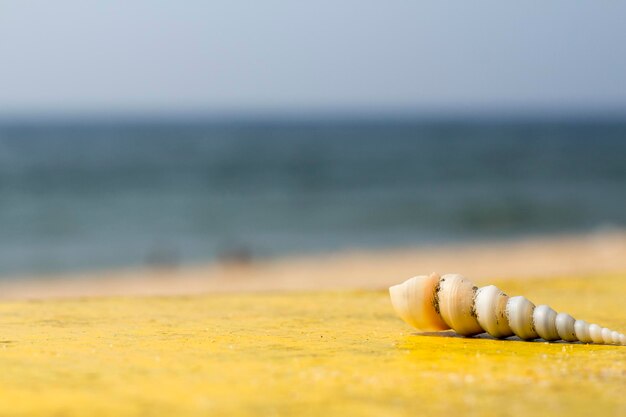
[137, 57]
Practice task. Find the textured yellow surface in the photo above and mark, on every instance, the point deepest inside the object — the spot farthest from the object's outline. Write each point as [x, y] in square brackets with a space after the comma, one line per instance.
[301, 354]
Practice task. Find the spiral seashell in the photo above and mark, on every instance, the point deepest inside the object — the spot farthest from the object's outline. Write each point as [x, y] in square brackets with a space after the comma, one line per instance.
[451, 301]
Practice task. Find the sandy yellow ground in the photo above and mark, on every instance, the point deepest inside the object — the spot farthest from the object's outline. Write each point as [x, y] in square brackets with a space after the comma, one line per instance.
[339, 353]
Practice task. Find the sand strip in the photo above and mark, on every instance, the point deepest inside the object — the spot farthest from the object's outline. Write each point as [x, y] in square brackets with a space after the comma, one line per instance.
[577, 255]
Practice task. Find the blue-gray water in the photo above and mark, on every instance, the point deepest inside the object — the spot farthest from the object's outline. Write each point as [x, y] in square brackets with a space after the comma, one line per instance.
[99, 195]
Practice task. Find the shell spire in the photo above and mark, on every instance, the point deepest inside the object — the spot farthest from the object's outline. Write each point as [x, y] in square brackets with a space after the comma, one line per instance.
[433, 302]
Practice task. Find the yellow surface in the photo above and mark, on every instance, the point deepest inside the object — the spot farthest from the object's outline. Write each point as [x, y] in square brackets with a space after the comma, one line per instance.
[300, 354]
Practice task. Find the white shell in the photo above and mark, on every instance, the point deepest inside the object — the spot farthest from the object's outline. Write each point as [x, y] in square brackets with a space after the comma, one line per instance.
[565, 327]
[544, 319]
[455, 296]
[451, 301]
[413, 301]
[595, 332]
[582, 331]
[490, 307]
[519, 311]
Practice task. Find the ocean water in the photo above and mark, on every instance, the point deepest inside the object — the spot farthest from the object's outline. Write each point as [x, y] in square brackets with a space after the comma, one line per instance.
[85, 196]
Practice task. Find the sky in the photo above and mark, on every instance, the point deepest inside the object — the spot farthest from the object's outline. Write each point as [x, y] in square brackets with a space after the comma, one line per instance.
[156, 57]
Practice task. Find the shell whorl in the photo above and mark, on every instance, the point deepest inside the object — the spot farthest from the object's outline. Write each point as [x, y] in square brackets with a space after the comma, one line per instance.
[433, 302]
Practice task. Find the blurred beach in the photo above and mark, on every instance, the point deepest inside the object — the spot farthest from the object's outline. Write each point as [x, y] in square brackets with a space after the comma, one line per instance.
[189, 206]
[584, 257]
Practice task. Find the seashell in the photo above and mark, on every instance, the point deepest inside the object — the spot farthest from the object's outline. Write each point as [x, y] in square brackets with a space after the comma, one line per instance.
[451, 301]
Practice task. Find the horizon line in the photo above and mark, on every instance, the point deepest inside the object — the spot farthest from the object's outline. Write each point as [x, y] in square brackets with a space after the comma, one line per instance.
[535, 114]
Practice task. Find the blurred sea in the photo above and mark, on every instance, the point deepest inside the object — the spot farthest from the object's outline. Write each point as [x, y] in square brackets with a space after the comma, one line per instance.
[98, 195]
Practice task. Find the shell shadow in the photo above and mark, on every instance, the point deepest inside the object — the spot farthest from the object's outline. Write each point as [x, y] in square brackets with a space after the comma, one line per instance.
[486, 336]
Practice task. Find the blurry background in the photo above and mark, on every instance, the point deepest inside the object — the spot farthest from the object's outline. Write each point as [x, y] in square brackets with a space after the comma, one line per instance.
[173, 133]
